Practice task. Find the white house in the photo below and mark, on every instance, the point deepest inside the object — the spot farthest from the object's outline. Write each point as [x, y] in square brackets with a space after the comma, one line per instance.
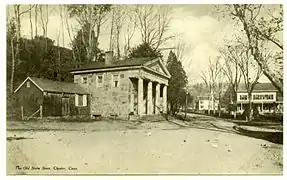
[265, 97]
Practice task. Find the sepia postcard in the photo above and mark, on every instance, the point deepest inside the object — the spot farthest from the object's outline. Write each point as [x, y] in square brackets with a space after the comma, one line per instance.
[141, 89]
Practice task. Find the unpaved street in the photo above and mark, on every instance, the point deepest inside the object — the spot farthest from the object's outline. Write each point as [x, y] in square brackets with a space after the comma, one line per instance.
[185, 151]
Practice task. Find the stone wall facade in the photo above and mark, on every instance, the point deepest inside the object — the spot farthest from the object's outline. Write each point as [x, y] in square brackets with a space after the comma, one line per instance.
[106, 99]
[138, 90]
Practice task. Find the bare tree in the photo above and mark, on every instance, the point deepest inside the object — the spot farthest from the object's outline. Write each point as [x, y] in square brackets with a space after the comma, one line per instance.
[153, 23]
[44, 15]
[92, 17]
[180, 49]
[118, 20]
[36, 19]
[30, 19]
[220, 86]
[62, 25]
[120, 17]
[129, 28]
[16, 50]
[112, 29]
[210, 76]
[232, 72]
[258, 28]
[71, 36]
[250, 70]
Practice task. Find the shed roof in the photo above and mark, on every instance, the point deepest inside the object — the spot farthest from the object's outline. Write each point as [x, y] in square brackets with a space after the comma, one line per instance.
[55, 86]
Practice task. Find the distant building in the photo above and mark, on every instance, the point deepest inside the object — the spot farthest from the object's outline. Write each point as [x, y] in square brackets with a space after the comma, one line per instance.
[205, 103]
[265, 97]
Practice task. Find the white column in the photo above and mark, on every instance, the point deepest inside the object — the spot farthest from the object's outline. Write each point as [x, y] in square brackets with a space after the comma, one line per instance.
[164, 99]
[132, 101]
[157, 95]
[140, 96]
[149, 98]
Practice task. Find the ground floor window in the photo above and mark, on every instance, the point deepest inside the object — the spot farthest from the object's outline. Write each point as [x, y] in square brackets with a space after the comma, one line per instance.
[81, 100]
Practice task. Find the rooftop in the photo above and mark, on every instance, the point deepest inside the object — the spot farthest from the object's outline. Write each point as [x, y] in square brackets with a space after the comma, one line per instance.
[56, 86]
[258, 87]
[119, 63]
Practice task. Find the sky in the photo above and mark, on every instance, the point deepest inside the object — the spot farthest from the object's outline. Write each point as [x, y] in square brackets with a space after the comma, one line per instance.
[200, 28]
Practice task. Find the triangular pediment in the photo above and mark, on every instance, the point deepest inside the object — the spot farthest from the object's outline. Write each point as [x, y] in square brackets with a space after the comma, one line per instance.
[158, 66]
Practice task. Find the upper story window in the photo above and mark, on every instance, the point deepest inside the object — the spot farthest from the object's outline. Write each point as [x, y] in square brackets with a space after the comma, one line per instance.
[28, 84]
[84, 79]
[243, 97]
[115, 80]
[100, 80]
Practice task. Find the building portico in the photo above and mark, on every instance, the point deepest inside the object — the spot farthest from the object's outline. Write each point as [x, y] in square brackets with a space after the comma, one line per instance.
[151, 97]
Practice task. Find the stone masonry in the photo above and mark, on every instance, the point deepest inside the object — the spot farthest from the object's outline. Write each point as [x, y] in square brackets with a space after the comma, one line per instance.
[139, 90]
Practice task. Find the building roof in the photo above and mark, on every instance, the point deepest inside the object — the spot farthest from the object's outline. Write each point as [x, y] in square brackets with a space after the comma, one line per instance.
[258, 87]
[120, 63]
[207, 97]
[203, 97]
[47, 85]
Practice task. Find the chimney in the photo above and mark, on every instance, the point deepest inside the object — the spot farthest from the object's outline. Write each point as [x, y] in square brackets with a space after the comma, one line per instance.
[108, 57]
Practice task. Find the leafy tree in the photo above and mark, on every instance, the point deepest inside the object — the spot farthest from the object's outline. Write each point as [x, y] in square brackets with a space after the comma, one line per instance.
[144, 50]
[39, 60]
[177, 84]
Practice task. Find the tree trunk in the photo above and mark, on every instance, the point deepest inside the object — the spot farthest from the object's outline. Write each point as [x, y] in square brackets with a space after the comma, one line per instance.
[112, 30]
[13, 66]
[235, 112]
[249, 112]
[219, 106]
[118, 43]
[30, 18]
[36, 20]
[16, 55]
[185, 106]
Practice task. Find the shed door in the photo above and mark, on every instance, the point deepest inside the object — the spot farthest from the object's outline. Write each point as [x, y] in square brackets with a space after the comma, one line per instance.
[65, 107]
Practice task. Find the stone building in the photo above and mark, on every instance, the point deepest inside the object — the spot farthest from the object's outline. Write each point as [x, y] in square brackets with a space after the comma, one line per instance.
[136, 86]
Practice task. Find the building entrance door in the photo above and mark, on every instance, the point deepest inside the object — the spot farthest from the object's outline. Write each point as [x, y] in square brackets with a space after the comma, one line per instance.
[65, 107]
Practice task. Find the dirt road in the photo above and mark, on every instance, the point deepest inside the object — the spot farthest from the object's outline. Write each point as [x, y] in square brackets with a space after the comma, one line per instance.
[183, 151]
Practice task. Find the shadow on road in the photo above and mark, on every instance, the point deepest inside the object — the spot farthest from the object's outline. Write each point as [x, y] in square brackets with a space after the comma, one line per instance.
[274, 137]
[17, 138]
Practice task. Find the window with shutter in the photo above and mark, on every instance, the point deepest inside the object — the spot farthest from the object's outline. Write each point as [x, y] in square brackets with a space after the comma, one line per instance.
[84, 100]
[76, 100]
[80, 100]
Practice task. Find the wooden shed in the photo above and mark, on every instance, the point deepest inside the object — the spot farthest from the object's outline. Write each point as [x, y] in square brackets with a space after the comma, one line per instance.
[52, 98]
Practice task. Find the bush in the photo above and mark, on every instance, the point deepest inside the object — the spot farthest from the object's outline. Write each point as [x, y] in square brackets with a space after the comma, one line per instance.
[13, 111]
